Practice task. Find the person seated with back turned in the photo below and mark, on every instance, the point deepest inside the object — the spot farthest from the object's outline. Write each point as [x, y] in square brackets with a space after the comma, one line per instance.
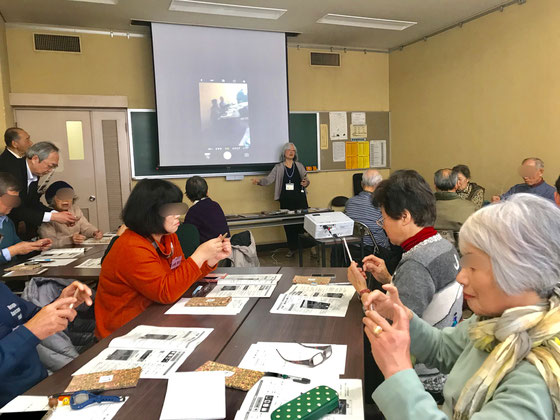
[205, 214]
[10, 243]
[17, 142]
[502, 361]
[40, 159]
[531, 170]
[146, 264]
[60, 196]
[425, 276]
[451, 211]
[23, 326]
[360, 208]
[466, 189]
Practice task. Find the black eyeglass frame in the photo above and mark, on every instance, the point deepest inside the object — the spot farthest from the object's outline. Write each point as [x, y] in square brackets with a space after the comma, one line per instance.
[324, 353]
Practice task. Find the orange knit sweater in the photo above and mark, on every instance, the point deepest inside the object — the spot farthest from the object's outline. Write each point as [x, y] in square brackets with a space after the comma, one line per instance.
[134, 274]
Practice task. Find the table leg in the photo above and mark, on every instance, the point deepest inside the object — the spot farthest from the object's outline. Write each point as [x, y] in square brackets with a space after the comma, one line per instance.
[323, 255]
[300, 251]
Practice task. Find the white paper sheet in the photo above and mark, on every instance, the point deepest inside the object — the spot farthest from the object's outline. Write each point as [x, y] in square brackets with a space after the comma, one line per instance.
[163, 338]
[328, 290]
[242, 290]
[358, 132]
[105, 411]
[358, 118]
[63, 253]
[160, 351]
[233, 308]
[338, 151]
[250, 279]
[23, 273]
[270, 393]
[195, 395]
[105, 240]
[338, 125]
[90, 263]
[157, 364]
[24, 403]
[263, 356]
[378, 153]
[305, 305]
[58, 262]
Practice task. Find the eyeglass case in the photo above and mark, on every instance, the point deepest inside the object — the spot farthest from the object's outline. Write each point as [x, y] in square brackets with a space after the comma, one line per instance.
[310, 405]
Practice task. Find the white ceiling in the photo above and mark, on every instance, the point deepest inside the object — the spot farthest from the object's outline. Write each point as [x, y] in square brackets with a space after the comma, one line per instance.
[301, 17]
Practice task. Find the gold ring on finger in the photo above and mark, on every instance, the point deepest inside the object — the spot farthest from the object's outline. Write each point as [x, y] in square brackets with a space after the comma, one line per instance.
[377, 330]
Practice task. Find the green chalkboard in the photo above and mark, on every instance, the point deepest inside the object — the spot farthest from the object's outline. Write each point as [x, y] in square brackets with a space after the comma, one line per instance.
[303, 133]
[144, 134]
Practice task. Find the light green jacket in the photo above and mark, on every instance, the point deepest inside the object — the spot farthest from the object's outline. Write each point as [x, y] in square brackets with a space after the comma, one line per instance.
[522, 394]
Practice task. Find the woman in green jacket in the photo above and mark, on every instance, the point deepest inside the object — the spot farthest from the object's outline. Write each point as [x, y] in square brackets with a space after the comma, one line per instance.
[504, 361]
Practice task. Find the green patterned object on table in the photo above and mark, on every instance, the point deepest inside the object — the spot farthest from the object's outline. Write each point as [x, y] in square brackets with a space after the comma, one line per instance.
[310, 405]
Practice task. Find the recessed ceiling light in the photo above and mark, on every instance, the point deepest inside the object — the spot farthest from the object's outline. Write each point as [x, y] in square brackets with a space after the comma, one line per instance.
[99, 1]
[225, 9]
[365, 22]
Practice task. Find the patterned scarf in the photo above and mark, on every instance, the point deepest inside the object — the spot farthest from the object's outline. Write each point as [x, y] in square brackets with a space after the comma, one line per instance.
[527, 332]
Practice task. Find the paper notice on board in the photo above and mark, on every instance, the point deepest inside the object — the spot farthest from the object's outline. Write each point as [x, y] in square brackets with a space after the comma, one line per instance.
[358, 132]
[358, 118]
[378, 153]
[324, 136]
[339, 151]
[338, 125]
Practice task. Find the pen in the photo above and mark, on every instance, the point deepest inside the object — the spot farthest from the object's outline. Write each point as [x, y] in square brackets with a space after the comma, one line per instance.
[41, 260]
[196, 290]
[293, 378]
[75, 296]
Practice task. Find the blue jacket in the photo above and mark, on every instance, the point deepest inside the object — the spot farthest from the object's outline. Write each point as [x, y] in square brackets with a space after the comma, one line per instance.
[20, 367]
[9, 238]
[543, 189]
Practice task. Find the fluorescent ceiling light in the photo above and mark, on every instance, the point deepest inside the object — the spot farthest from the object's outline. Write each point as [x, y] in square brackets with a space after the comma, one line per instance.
[365, 22]
[225, 9]
[99, 1]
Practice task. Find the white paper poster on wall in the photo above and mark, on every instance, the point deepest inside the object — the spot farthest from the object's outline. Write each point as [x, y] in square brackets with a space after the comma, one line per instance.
[338, 151]
[358, 118]
[358, 132]
[378, 153]
[338, 125]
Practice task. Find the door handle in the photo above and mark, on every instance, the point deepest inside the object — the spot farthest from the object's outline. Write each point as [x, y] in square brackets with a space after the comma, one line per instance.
[92, 198]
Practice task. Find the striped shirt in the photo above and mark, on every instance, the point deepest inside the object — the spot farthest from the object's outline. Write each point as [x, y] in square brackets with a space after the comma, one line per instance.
[361, 209]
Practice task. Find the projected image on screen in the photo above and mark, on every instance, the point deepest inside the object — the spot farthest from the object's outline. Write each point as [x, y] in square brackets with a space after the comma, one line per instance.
[224, 114]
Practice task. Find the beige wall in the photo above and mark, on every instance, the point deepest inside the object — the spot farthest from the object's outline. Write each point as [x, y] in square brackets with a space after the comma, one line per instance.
[120, 66]
[6, 116]
[486, 95]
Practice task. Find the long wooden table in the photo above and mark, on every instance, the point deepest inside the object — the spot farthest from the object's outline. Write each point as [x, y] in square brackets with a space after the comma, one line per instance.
[229, 341]
[269, 219]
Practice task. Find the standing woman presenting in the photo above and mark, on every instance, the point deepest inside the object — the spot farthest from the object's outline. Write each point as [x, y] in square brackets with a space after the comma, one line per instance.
[290, 178]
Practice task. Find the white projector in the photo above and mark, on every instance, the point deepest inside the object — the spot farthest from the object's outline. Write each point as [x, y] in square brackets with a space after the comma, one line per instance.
[326, 225]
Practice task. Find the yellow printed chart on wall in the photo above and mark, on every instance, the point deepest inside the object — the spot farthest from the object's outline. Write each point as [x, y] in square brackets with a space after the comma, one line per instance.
[357, 154]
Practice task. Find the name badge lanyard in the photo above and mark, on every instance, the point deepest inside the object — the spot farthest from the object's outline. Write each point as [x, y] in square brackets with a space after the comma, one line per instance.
[290, 184]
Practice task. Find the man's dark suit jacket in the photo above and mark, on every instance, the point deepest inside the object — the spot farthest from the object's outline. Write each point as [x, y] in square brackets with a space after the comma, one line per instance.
[31, 210]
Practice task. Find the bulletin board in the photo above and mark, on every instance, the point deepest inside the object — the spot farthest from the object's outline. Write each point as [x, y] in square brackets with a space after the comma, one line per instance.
[378, 128]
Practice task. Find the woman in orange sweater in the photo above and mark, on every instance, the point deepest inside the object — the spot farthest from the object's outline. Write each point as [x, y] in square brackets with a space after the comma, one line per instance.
[146, 264]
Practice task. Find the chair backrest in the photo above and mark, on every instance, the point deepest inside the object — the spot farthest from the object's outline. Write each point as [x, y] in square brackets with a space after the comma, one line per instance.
[357, 183]
[451, 235]
[361, 229]
[338, 201]
[189, 238]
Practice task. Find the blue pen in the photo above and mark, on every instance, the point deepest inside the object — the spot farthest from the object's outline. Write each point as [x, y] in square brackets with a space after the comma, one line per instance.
[196, 290]
[43, 260]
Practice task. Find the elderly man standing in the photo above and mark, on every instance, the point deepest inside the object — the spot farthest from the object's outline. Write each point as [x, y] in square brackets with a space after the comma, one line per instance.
[451, 210]
[40, 160]
[17, 142]
[531, 170]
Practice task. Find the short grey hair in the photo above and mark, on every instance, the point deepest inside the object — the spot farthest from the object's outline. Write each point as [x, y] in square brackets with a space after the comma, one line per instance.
[286, 147]
[42, 150]
[445, 179]
[520, 235]
[539, 164]
[371, 178]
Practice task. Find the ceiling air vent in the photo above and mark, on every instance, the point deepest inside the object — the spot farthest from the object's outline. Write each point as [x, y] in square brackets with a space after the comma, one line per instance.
[64, 43]
[325, 59]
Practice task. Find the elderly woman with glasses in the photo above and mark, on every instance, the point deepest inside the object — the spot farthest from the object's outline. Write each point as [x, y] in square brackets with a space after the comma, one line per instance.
[504, 361]
[146, 264]
[425, 276]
